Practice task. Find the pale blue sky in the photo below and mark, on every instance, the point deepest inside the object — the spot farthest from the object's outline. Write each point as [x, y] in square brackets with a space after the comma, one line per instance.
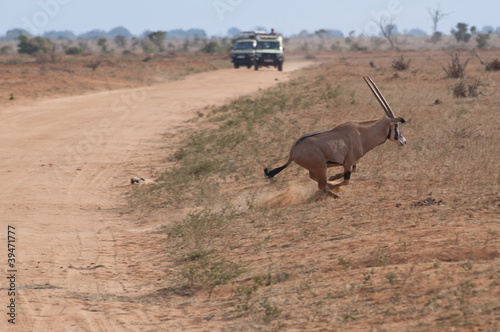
[217, 16]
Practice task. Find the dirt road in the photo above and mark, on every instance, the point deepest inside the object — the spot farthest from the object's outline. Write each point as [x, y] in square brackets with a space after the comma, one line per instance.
[66, 164]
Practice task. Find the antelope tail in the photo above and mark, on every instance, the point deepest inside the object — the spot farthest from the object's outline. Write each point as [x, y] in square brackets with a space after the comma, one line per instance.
[271, 173]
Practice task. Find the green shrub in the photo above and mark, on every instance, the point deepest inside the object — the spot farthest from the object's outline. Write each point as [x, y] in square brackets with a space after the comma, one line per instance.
[74, 51]
[482, 40]
[37, 45]
[212, 47]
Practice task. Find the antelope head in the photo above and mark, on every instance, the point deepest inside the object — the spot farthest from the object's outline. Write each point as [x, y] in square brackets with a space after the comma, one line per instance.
[394, 134]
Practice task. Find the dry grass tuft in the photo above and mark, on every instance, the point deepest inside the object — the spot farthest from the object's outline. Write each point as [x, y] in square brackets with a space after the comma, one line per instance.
[400, 63]
[456, 69]
[464, 89]
[493, 65]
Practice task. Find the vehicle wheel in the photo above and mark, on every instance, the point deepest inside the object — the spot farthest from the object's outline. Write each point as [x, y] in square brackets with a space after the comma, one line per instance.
[249, 66]
[236, 66]
[256, 67]
[280, 67]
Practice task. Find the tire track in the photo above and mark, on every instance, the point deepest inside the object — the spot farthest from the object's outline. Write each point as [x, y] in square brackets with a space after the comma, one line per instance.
[66, 164]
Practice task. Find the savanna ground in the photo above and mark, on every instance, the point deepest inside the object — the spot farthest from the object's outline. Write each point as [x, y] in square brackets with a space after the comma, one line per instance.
[26, 77]
[412, 244]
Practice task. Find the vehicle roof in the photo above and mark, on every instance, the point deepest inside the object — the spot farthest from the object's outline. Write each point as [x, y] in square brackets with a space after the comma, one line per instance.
[270, 37]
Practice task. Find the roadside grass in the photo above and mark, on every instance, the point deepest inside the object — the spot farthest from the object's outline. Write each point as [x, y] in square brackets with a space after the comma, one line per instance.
[411, 245]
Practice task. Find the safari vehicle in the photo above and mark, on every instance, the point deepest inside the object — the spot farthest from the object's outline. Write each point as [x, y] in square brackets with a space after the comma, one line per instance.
[243, 52]
[269, 51]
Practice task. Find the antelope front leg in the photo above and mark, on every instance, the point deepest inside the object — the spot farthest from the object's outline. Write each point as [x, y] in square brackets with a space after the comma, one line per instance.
[342, 175]
[347, 178]
[335, 177]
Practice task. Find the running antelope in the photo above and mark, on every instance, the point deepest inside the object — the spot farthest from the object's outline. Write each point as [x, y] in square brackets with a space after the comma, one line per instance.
[343, 145]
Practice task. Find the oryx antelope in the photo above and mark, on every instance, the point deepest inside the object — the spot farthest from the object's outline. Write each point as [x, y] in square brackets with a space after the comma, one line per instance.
[343, 145]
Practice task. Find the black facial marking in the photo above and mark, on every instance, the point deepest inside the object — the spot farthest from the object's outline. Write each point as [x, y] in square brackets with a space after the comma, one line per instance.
[396, 131]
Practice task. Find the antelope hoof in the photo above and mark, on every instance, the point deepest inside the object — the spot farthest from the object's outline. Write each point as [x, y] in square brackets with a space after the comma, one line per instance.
[324, 195]
[334, 187]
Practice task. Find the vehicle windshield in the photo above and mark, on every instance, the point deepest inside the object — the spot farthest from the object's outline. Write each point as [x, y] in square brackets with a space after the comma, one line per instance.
[247, 45]
[268, 45]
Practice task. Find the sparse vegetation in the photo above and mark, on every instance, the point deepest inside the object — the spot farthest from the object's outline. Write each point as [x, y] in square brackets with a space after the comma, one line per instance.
[493, 65]
[158, 39]
[482, 40]
[456, 69]
[36, 45]
[400, 63]
[383, 271]
[464, 89]
[414, 247]
[74, 50]
[212, 47]
[462, 32]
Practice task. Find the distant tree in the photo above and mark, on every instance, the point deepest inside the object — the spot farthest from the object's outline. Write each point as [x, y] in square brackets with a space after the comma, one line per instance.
[147, 46]
[437, 36]
[103, 44]
[37, 45]
[14, 34]
[84, 46]
[74, 50]
[461, 32]
[388, 29]
[121, 41]
[322, 33]
[482, 40]
[158, 39]
[351, 36]
[436, 16]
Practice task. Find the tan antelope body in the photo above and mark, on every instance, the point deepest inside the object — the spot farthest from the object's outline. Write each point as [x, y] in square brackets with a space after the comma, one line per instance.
[343, 145]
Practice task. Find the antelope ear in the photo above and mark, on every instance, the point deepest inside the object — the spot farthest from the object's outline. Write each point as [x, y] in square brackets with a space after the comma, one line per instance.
[396, 120]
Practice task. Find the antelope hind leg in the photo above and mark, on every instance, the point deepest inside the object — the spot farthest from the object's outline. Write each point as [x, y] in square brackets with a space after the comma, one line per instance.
[321, 177]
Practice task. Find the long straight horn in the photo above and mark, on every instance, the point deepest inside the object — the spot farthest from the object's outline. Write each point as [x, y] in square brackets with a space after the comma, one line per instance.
[380, 97]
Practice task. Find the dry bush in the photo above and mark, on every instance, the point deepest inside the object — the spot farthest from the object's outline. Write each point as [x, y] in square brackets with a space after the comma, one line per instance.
[400, 63]
[493, 65]
[456, 69]
[463, 89]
